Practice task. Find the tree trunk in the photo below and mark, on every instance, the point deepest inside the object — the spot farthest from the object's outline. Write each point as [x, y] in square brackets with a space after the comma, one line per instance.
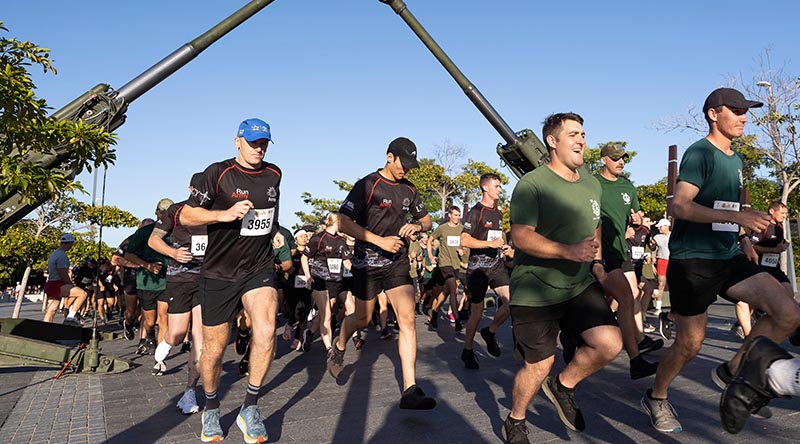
[24, 284]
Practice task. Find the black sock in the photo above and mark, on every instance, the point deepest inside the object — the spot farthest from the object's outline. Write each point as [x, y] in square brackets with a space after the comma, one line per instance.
[650, 395]
[212, 402]
[560, 387]
[251, 397]
[515, 421]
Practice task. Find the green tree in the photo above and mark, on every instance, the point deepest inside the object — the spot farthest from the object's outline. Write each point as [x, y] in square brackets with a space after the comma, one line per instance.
[653, 198]
[26, 132]
[591, 157]
[320, 206]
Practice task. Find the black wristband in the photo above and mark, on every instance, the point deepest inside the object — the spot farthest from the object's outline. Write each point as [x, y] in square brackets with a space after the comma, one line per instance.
[599, 261]
[743, 236]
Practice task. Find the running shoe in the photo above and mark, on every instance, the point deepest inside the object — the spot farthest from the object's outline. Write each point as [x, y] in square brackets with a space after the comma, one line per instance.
[127, 330]
[491, 342]
[251, 424]
[159, 368]
[414, 399]
[648, 328]
[737, 330]
[662, 415]
[73, 322]
[722, 376]
[288, 333]
[459, 326]
[515, 432]
[212, 431]
[470, 360]
[308, 339]
[640, 368]
[335, 360]
[565, 405]
[648, 345]
[142, 348]
[451, 318]
[433, 324]
[386, 334]
[186, 347]
[665, 325]
[358, 343]
[188, 402]
[242, 341]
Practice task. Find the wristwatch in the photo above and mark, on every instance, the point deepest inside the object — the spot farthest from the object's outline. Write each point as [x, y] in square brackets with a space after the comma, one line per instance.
[599, 261]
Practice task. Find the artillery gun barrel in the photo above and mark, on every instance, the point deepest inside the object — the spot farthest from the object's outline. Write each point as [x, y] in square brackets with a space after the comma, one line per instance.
[105, 107]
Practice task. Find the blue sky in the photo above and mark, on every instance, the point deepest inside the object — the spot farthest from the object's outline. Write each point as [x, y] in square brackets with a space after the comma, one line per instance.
[338, 80]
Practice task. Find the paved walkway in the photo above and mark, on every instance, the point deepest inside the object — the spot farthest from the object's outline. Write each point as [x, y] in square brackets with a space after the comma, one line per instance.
[303, 404]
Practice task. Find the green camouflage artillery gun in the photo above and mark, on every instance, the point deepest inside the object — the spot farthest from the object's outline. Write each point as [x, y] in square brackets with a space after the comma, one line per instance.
[522, 151]
[26, 342]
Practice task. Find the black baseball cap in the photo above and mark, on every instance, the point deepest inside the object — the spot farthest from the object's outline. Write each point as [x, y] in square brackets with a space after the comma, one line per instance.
[729, 97]
[406, 151]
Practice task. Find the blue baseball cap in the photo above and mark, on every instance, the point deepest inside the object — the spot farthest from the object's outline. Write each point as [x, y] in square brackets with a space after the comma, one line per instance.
[254, 129]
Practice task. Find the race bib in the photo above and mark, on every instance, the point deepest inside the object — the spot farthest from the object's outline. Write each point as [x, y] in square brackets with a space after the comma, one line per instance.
[494, 234]
[637, 253]
[346, 273]
[199, 244]
[770, 259]
[453, 241]
[86, 281]
[257, 222]
[335, 265]
[299, 281]
[725, 206]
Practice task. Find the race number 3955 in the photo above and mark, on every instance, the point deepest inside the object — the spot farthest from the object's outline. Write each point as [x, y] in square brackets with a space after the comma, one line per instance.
[257, 222]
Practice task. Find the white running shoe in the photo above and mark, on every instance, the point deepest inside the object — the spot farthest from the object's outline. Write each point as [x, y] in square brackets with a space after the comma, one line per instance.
[188, 402]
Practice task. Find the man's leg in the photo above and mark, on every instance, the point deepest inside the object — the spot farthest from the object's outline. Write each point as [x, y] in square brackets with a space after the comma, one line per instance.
[50, 311]
[638, 316]
[743, 317]
[600, 346]
[188, 402]
[451, 288]
[618, 287]
[261, 305]
[691, 330]
[527, 383]
[162, 319]
[402, 299]
[356, 321]
[324, 316]
[503, 312]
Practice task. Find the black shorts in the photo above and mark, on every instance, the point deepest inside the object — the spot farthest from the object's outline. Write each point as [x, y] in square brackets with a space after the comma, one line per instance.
[104, 294]
[695, 283]
[535, 329]
[777, 273]
[333, 287]
[613, 262]
[182, 296]
[129, 281]
[368, 283]
[347, 283]
[222, 300]
[480, 279]
[148, 298]
[442, 274]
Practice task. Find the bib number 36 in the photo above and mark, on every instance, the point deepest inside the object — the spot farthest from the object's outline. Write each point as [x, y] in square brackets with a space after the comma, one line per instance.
[257, 222]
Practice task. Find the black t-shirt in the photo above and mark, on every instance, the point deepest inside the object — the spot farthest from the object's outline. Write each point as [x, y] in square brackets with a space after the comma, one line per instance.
[178, 236]
[381, 206]
[326, 255]
[241, 247]
[83, 275]
[771, 237]
[637, 244]
[483, 223]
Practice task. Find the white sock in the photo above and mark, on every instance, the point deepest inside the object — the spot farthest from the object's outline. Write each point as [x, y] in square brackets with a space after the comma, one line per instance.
[783, 377]
[72, 313]
[162, 351]
[658, 304]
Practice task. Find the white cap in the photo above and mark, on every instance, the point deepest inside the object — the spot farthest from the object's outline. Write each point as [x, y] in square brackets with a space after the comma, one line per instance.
[300, 232]
[663, 223]
[67, 239]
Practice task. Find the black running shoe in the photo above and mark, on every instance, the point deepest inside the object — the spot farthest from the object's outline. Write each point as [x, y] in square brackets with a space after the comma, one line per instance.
[386, 334]
[564, 402]
[186, 347]
[458, 326]
[491, 342]
[515, 432]
[665, 326]
[335, 360]
[640, 368]
[244, 366]
[127, 330]
[470, 360]
[648, 345]
[142, 348]
[242, 341]
[414, 399]
[434, 322]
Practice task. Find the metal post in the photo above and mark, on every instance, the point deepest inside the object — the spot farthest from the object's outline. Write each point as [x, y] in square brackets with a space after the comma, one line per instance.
[790, 255]
[672, 176]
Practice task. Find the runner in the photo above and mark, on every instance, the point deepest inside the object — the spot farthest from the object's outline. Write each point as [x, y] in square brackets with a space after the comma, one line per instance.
[59, 284]
[186, 248]
[127, 270]
[705, 259]
[448, 262]
[238, 202]
[619, 204]
[555, 227]
[375, 214]
[298, 296]
[150, 281]
[483, 235]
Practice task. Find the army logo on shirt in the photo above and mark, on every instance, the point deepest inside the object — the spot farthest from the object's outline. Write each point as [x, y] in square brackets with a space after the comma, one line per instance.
[626, 198]
[595, 208]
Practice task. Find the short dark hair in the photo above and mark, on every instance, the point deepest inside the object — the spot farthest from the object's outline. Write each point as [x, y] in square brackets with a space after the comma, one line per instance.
[777, 205]
[552, 124]
[486, 178]
[453, 208]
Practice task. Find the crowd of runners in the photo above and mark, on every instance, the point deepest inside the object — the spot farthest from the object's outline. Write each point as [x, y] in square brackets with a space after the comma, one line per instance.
[581, 265]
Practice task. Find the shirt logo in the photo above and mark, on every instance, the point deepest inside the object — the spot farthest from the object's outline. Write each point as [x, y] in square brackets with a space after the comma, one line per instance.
[349, 205]
[240, 194]
[595, 208]
[201, 196]
[467, 226]
[626, 198]
[406, 202]
[386, 203]
[488, 224]
[272, 193]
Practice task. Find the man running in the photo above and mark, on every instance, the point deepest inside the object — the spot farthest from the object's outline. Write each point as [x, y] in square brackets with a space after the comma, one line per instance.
[705, 259]
[238, 202]
[619, 204]
[127, 271]
[375, 213]
[483, 235]
[59, 284]
[555, 227]
[186, 248]
[449, 236]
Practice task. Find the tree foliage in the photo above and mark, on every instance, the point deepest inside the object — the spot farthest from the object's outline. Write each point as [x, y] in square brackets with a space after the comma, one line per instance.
[591, 157]
[26, 132]
[653, 199]
[320, 206]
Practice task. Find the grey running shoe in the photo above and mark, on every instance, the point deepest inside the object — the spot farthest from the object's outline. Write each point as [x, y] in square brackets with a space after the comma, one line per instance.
[212, 431]
[491, 342]
[515, 432]
[252, 426]
[662, 415]
[564, 402]
[335, 360]
[73, 322]
[188, 402]
[159, 368]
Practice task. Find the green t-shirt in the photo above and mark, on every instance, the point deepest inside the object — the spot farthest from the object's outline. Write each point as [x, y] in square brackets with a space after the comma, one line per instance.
[449, 243]
[414, 252]
[284, 253]
[146, 280]
[619, 198]
[428, 262]
[562, 211]
[719, 178]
